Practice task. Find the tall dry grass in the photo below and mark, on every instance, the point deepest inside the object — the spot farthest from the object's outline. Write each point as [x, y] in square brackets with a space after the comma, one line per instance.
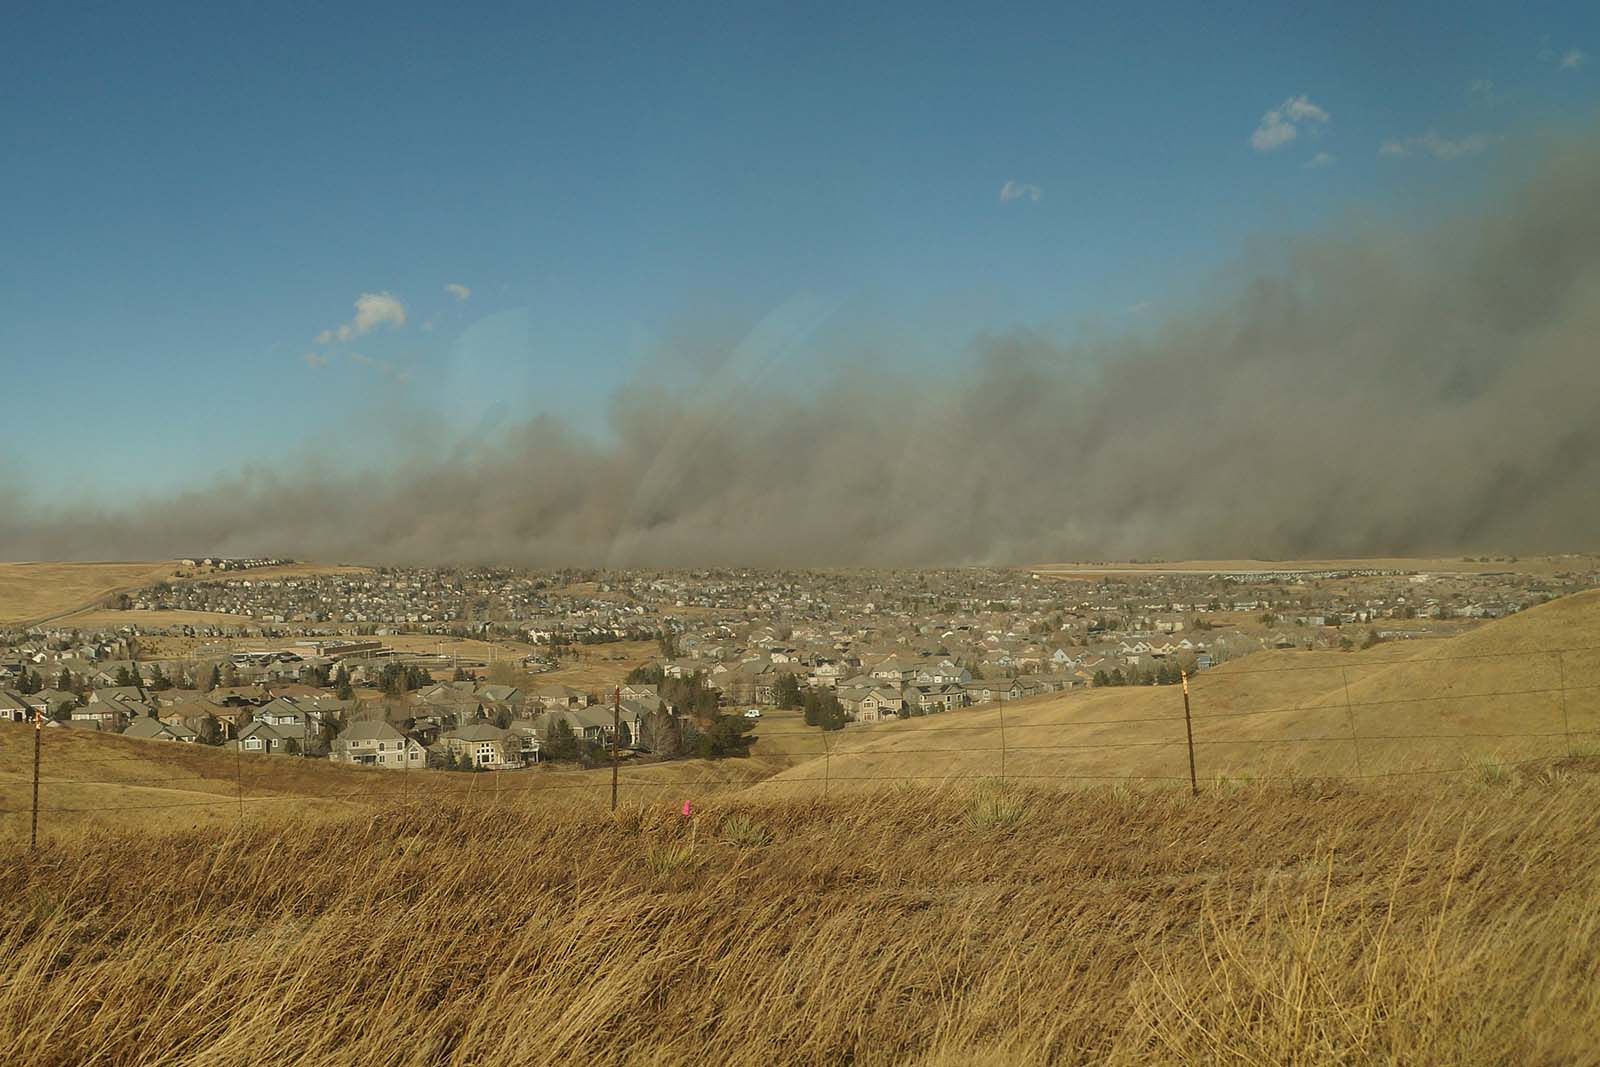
[1251, 925]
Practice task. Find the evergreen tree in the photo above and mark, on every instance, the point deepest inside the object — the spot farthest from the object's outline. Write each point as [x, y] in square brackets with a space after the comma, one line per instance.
[787, 691]
[562, 744]
[345, 690]
[215, 678]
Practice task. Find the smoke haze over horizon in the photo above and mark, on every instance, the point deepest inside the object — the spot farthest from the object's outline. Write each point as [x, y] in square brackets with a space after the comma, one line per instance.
[1374, 392]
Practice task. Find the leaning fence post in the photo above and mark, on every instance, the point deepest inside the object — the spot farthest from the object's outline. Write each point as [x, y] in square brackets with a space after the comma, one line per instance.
[1188, 729]
[38, 733]
[827, 761]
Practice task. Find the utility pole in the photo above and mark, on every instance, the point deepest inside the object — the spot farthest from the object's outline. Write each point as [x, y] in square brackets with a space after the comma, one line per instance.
[616, 729]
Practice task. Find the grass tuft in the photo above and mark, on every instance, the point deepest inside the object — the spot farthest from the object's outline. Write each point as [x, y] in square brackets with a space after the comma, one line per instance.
[993, 805]
[743, 831]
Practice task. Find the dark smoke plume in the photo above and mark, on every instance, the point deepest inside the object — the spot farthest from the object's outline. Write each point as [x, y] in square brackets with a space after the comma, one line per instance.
[1375, 392]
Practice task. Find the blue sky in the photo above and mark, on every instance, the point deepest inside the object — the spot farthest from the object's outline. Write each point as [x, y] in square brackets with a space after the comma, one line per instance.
[193, 198]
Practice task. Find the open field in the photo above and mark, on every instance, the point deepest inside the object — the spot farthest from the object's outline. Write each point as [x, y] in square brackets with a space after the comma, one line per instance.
[939, 927]
[38, 592]
[106, 619]
[288, 570]
[1538, 565]
[597, 667]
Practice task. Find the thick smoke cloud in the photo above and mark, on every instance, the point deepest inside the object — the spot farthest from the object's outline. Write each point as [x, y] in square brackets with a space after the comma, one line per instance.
[1374, 392]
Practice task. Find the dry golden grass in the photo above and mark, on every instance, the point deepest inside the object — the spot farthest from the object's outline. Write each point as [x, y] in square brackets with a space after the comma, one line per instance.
[939, 927]
[37, 592]
[89, 778]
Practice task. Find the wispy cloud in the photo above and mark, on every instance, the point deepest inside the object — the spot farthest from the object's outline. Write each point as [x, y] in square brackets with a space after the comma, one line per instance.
[1282, 124]
[383, 367]
[1568, 59]
[1320, 160]
[1483, 91]
[315, 360]
[459, 291]
[1432, 144]
[1019, 191]
[372, 310]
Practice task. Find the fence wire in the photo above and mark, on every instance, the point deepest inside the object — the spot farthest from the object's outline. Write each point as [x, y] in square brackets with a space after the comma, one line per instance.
[899, 749]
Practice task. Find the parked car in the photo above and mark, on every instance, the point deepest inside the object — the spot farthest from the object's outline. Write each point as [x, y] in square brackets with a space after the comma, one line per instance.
[753, 713]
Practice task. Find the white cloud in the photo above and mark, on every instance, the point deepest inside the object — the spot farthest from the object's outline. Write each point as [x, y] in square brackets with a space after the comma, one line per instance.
[372, 310]
[1320, 160]
[1432, 144]
[315, 360]
[1572, 59]
[459, 291]
[1483, 89]
[1282, 124]
[1143, 307]
[1019, 190]
[1300, 109]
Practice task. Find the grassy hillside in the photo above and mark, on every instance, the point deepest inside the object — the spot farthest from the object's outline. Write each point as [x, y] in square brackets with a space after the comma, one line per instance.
[32, 592]
[91, 779]
[74, 593]
[1415, 707]
[1254, 924]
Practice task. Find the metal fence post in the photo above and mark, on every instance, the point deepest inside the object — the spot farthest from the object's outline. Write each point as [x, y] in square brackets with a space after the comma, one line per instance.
[1350, 715]
[1566, 724]
[1002, 704]
[38, 736]
[1188, 730]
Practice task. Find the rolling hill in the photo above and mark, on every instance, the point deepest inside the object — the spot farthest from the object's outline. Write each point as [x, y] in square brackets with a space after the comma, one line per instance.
[1499, 694]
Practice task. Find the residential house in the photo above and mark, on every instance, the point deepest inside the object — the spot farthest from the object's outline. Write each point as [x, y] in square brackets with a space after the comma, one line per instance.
[378, 743]
[265, 738]
[13, 707]
[484, 746]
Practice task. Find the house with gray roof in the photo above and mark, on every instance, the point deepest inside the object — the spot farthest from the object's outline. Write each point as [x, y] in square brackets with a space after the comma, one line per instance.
[378, 743]
[148, 729]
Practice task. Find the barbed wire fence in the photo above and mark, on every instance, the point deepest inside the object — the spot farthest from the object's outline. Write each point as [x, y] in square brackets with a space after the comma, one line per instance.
[1210, 728]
